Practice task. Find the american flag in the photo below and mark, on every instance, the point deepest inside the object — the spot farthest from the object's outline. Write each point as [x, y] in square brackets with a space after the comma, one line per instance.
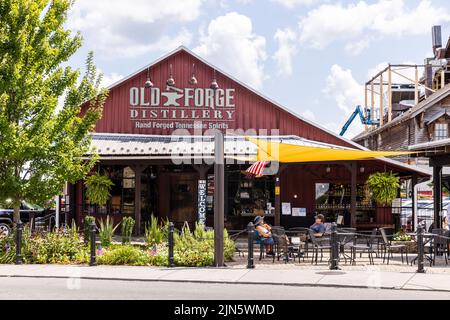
[257, 168]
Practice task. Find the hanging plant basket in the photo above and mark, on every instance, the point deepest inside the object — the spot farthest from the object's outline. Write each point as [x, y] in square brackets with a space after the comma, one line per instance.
[98, 189]
[384, 187]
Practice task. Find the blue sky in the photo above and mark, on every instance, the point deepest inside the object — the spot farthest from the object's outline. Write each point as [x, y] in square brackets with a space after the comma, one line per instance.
[309, 55]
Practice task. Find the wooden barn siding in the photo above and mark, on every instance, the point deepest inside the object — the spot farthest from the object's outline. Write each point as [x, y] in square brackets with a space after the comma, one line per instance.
[395, 138]
[252, 111]
[300, 180]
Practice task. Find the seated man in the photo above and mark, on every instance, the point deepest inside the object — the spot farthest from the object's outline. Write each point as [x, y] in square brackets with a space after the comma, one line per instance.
[319, 227]
[265, 234]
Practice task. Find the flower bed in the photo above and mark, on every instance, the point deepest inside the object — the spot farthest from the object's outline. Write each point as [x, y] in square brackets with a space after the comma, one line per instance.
[191, 249]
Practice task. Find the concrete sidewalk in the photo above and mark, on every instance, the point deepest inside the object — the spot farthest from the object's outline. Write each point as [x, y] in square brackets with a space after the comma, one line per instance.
[370, 278]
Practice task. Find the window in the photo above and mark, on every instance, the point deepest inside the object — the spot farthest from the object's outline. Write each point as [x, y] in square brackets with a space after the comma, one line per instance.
[440, 131]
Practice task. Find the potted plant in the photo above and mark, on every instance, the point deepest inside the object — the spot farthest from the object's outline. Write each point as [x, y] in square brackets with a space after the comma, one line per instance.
[98, 188]
[403, 238]
[383, 187]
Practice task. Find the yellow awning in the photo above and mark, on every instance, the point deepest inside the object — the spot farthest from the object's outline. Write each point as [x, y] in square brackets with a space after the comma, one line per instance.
[289, 153]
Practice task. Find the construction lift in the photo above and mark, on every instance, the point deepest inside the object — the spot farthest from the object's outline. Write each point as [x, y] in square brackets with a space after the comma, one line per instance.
[364, 120]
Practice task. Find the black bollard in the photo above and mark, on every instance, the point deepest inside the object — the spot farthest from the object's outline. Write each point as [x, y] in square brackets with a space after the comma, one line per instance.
[19, 229]
[171, 244]
[92, 230]
[334, 251]
[420, 249]
[251, 236]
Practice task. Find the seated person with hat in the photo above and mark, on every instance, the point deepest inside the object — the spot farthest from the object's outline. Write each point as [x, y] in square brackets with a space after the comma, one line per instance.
[264, 234]
[319, 227]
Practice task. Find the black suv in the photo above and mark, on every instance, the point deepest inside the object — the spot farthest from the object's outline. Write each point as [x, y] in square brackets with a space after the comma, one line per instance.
[27, 213]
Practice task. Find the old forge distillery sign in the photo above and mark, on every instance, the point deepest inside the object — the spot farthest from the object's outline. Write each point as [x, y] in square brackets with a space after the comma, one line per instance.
[188, 108]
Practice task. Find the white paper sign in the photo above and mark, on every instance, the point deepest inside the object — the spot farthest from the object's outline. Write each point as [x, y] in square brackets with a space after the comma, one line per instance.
[299, 212]
[286, 208]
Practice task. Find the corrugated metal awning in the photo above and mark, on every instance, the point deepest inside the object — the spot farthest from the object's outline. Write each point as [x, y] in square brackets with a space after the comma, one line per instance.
[162, 147]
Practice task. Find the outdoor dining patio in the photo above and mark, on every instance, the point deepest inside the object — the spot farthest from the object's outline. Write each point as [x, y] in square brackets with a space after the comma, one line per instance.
[356, 249]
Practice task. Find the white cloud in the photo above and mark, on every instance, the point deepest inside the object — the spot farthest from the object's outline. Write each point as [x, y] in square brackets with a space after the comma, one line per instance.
[357, 47]
[287, 48]
[293, 3]
[111, 78]
[345, 90]
[230, 43]
[342, 87]
[124, 29]
[308, 114]
[334, 22]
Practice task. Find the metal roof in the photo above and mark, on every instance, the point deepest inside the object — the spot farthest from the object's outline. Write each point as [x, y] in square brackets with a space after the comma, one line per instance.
[155, 146]
[430, 145]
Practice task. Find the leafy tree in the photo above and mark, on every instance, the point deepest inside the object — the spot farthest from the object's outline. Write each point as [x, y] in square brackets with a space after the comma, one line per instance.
[41, 143]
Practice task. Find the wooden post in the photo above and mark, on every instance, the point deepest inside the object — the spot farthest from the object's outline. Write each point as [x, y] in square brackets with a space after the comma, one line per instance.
[414, 202]
[372, 92]
[381, 101]
[437, 195]
[277, 219]
[137, 198]
[389, 94]
[353, 191]
[416, 86]
[443, 78]
[219, 189]
[365, 105]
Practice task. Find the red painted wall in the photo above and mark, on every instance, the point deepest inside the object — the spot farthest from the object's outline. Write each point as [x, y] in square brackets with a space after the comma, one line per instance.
[252, 111]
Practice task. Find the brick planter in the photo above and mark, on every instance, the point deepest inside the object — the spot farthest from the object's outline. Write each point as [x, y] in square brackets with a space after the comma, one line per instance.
[410, 245]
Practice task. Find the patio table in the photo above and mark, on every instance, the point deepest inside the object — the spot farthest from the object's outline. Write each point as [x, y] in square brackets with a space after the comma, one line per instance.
[427, 238]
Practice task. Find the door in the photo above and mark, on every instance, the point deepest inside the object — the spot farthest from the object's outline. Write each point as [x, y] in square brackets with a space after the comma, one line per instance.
[183, 199]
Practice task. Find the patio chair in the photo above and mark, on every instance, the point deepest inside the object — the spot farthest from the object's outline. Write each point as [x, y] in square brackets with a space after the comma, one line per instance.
[440, 245]
[316, 246]
[262, 248]
[234, 235]
[277, 233]
[367, 247]
[294, 248]
[388, 247]
[302, 232]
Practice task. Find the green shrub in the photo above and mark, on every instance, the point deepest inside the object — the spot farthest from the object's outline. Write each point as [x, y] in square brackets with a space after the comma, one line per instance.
[401, 236]
[106, 231]
[154, 233]
[55, 247]
[127, 229]
[124, 255]
[7, 250]
[86, 231]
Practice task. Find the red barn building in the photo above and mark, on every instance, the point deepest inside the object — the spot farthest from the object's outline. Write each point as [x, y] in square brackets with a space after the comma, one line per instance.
[154, 141]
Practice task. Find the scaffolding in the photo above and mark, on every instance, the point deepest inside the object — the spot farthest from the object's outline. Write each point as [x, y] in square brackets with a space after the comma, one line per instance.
[381, 87]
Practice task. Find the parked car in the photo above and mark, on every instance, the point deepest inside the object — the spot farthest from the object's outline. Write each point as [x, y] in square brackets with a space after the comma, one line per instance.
[28, 212]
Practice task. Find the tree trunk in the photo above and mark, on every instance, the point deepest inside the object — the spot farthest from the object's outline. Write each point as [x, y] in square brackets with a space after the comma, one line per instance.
[16, 215]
